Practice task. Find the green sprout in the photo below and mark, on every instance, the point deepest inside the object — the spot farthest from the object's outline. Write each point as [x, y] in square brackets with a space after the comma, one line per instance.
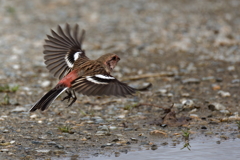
[9, 88]
[186, 134]
[130, 106]
[6, 100]
[186, 145]
[65, 129]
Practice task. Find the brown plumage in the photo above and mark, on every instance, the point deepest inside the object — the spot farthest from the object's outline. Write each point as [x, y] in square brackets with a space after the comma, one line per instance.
[66, 60]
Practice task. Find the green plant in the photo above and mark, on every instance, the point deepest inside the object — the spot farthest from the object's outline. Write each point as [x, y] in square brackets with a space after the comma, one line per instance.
[186, 145]
[186, 134]
[6, 100]
[66, 129]
[9, 88]
[130, 106]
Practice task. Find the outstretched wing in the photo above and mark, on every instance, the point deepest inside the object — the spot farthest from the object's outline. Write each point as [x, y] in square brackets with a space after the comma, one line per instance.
[100, 84]
[62, 49]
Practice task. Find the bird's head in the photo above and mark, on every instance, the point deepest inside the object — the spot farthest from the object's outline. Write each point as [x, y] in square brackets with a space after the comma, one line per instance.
[109, 61]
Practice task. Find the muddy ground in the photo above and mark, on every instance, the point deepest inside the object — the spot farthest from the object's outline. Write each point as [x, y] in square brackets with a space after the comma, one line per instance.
[188, 50]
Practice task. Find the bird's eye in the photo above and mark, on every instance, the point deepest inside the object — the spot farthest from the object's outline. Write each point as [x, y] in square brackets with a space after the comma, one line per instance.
[114, 58]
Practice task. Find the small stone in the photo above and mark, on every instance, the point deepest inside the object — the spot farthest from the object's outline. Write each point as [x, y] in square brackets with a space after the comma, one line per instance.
[187, 103]
[191, 81]
[203, 127]
[84, 139]
[59, 146]
[224, 111]
[193, 110]
[4, 150]
[224, 94]
[5, 144]
[117, 154]
[194, 116]
[109, 144]
[215, 87]
[104, 128]
[128, 129]
[185, 94]
[37, 142]
[158, 132]
[231, 68]
[101, 133]
[224, 137]
[5, 131]
[134, 139]
[43, 150]
[210, 78]
[216, 106]
[236, 81]
[162, 91]
[112, 127]
[45, 83]
[19, 109]
[33, 116]
[154, 147]
[52, 143]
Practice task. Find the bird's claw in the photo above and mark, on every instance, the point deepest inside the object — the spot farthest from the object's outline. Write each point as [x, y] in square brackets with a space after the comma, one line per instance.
[69, 96]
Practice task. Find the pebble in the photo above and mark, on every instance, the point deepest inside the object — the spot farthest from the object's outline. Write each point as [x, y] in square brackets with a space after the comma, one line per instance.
[187, 103]
[52, 143]
[112, 127]
[19, 109]
[104, 128]
[4, 150]
[43, 150]
[193, 110]
[191, 81]
[5, 131]
[59, 146]
[128, 129]
[224, 94]
[33, 116]
[224, 111]
[216, 106]
[45, 83]
[210, 78]
[203, 127]
[134, 139]
[236, 81]
[102, 133]
[195, 116]
[37, 142]
[215, 87]
[154, 147]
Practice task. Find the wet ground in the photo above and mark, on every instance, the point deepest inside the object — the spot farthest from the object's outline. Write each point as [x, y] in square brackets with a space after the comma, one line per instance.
[188, 50]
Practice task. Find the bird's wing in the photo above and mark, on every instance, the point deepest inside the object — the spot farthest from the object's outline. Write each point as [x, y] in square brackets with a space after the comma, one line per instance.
[62, 49]
[100, 84]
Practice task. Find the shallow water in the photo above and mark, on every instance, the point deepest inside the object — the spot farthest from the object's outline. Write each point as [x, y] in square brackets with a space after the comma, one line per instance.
[201, 149]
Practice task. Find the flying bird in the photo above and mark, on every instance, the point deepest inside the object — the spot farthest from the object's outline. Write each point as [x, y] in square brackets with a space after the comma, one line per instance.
[66, 60]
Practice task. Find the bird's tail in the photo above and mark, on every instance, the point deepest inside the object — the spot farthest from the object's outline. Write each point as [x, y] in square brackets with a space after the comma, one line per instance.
[48, 98]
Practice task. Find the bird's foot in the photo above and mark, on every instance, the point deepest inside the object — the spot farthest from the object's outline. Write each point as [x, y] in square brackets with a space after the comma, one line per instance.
[73, 100]
[70, 95]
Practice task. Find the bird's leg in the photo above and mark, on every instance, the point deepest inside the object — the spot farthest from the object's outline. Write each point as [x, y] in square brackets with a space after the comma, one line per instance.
[74, 98]
[68, 97]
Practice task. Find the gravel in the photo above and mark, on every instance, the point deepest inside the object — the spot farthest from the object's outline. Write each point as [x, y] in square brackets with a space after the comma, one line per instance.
[188, 51]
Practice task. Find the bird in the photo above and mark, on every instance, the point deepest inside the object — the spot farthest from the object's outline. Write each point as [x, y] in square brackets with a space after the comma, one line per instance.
[66, 60]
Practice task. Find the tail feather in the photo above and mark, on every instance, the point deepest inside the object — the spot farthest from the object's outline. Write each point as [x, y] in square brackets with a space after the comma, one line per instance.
[47, 99]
